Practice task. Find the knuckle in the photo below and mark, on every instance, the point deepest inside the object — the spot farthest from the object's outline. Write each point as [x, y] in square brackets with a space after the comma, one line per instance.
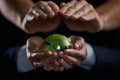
[50, 2]
[40, 2]
[84, 2]
[72, 8]
[90, 6]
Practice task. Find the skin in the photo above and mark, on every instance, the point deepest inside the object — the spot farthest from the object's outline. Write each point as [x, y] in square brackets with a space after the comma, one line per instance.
[82, 16]
[60, 61]
[40, 58]
[75, 14]
[31, 18]
[41, 20]
[73, 57]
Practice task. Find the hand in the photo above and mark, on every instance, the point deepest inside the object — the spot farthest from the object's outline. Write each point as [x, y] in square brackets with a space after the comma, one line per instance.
[81, 16]
[44, 59]
[42, 17]
[73, 57]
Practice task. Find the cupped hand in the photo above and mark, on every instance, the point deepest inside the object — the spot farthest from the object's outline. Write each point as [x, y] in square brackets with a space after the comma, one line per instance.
[42, 17]
[44, 59]
[81, 16]
[73, 57]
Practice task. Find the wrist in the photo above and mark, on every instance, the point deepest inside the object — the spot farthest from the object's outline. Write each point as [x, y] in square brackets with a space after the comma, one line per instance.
[23, 64]
[90, 59]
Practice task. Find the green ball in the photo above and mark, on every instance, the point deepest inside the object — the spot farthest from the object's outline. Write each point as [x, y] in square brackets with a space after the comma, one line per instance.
[56, 42]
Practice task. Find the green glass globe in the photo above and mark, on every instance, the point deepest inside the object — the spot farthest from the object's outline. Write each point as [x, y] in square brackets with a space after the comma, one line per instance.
[56, 42]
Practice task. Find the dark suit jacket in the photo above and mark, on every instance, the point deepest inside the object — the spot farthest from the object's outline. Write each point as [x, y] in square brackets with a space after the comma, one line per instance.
[105, 44]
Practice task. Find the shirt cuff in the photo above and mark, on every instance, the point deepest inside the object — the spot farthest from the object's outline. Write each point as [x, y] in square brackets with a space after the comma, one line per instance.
[89, 62]
[23, 64]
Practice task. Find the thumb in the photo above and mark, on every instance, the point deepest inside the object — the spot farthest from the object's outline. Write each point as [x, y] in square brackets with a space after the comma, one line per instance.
[34, 44]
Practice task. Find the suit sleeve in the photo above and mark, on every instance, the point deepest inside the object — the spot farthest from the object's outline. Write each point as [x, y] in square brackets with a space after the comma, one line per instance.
[107, 58]
[16, 59]
[8, 58]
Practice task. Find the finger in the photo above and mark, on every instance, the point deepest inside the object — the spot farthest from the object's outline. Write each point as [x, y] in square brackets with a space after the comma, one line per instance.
[78, 42]
[49, 67]
[80, 54]
[78, 45]
[62, 4]
[84, 10]
[37, 64]
[42, 55]
[34, 60]
[56, 62]
[74, 8]
[67, 6]
[35, 10]
[91, 15]
[46, 9]
[93, 20]
[30, 16]
[36, 57]
[49, 60]
[61, 68]
[34, 44]
[52, 64]
[73, 38]
[54, 7]
[58, 67]
[63, 63]
[60, 53]
[39, 13]
[71, 60]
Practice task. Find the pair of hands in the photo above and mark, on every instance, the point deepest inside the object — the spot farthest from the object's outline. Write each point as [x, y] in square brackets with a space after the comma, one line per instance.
[45, 16]
[57, 61]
